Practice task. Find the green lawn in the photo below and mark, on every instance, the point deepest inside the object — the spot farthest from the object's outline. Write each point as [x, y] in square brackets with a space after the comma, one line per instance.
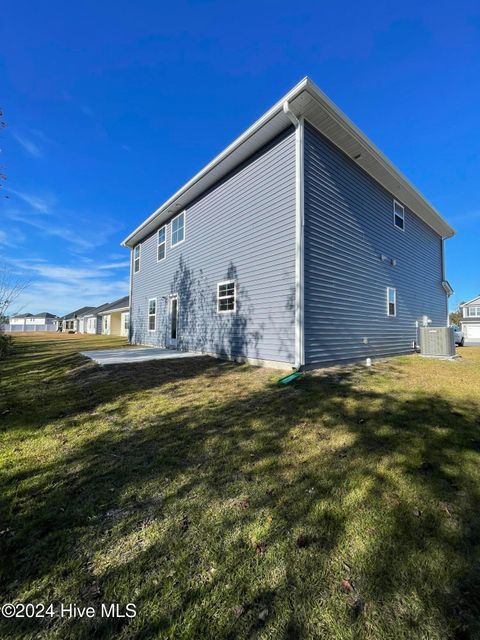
[346, 505]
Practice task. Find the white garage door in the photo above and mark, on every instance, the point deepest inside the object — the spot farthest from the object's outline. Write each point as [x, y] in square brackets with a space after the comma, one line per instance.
[472, 331]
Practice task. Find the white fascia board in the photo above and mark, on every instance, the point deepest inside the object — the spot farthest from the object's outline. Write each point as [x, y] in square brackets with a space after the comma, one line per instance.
[271, 124]
[470, 301]
[110, 311]
[242, 139]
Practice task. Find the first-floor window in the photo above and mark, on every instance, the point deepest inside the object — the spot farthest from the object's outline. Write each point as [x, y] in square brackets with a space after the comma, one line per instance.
[152, 314]
[391, 301]
[226, 297]
[126, 321]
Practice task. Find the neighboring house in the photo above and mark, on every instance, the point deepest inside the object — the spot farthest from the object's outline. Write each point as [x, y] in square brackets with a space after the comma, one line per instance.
[471, 319]
[33, 322]
[115, 318]
[299, 245]
[71, 322]
[91, 321]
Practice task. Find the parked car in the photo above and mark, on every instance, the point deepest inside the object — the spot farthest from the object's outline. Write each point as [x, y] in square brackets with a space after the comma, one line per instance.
[458, 333]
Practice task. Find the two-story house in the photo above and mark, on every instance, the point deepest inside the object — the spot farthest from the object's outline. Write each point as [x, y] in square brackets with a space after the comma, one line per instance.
[33, 322]
[300, 245]
[471, 320]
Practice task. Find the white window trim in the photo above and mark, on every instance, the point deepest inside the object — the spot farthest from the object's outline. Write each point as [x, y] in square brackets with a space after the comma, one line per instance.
[219, 284]
[160, 243]
[184, 214]
[471, 314]
[391, 315]
[139, 257]
[150, 315]
[396, 203]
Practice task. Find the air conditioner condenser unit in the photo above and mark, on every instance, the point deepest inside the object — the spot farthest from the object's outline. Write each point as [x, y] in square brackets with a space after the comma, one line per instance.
[437, 342]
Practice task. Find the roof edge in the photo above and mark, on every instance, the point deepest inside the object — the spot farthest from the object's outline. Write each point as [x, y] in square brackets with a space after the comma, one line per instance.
[278, 106]
[306, 84]
[470, 301]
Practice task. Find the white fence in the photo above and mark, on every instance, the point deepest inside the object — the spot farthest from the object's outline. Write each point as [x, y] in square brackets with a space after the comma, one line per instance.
[22, 328]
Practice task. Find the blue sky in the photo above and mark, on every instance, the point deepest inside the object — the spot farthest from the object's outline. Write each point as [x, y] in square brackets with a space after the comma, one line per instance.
[112, 106]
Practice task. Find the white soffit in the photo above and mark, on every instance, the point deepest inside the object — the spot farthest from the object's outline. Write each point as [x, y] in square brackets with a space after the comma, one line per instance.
[305, 99]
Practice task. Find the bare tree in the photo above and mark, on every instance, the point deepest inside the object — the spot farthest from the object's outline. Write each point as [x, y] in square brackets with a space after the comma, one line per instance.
[11, 286]
[3, 176]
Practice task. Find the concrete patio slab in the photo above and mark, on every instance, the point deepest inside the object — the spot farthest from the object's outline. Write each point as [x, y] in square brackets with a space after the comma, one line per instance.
[134, 354]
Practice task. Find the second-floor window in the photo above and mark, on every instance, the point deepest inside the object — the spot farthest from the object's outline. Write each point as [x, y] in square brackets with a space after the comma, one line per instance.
[398, 215]
[162, 243]
[178, 229]
[474, 312]
[136, 259]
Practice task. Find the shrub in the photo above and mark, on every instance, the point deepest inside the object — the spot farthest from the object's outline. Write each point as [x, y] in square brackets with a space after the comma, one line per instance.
[6, 345]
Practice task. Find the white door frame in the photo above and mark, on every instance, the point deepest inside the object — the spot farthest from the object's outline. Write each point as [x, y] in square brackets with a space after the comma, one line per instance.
[172, 342]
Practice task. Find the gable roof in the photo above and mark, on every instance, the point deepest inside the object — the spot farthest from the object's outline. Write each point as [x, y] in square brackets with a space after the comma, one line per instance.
[76, 314]
[45, 314]
[476, 299]
[121, 303]
[305, 99]
[96, 310]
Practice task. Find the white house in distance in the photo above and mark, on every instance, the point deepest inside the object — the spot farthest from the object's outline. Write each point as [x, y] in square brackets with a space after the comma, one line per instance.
[116, 318]
[91, 321]
[70, 323]
[110, 318]
[33, 322]
[471, 319]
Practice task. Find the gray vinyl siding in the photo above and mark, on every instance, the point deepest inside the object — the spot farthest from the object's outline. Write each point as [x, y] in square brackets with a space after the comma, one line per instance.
[348, 226]
[244, 230]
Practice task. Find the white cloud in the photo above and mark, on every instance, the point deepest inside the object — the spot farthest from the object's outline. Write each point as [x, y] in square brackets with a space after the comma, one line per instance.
[115, 265]
[60, 289]
[42, 204]
[30, 147]
[49, 228]
[4, 240]
[13, 238]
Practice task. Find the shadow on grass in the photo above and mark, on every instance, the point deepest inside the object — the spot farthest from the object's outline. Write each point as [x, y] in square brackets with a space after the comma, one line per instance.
[256, 483]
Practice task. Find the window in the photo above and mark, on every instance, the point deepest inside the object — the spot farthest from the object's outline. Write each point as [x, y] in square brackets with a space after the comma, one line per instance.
[162, 244]
[126, 322]
[391, 301]
[152, 314]
[398, 215]
[474, 311]
[226, 297]
[136, 259]
[178, 229]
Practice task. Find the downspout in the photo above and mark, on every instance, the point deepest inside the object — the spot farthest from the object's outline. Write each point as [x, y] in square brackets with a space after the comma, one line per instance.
[130, 299]
[298, 123]
[444, 278]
